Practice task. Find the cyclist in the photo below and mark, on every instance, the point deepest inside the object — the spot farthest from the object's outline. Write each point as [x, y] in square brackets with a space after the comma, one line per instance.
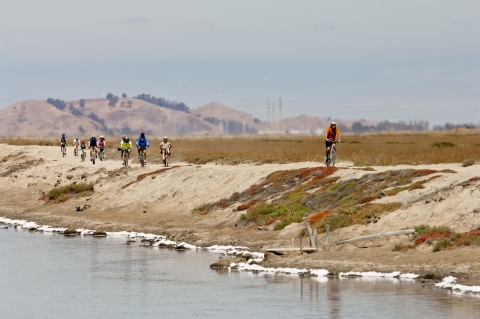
[63, 142]
[76, 142]
[83, 146]
[92, 143]
[102, 144]
[332, 133]
[142, 144]
[125, 144]
[165, 147]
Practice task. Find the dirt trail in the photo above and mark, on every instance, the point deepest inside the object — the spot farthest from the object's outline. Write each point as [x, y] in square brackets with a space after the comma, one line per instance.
[162, 202]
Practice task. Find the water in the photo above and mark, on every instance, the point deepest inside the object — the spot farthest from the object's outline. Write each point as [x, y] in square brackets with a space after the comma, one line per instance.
[51, 276]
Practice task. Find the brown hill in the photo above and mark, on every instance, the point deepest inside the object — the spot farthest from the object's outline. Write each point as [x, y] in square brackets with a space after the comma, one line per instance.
[39, 118]
[128, 116]
[230, 121]
[131, 116]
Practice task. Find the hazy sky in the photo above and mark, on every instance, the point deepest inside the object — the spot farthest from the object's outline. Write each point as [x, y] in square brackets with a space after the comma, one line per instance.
[378, 60]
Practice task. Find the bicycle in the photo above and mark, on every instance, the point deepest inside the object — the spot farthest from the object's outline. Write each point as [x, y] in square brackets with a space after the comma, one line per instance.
[101, 155]
[165, 153]
[64, 150]
[83, 155]
[165, 161]
[94, 155]
[124, 156]
[142, 156]
[332, 155]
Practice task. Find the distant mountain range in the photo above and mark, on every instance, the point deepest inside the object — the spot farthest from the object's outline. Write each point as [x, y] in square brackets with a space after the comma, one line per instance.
[131, 116]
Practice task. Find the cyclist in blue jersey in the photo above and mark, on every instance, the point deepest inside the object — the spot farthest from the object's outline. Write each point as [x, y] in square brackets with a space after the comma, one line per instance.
[92, 143]
[142, 144]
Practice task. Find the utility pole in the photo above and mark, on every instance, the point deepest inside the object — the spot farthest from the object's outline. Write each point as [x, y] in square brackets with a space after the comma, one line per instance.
[280, 115]
[274, 122]
[268, 116]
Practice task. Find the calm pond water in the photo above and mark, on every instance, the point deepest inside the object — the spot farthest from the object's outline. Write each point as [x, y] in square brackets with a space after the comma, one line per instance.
[45, 275]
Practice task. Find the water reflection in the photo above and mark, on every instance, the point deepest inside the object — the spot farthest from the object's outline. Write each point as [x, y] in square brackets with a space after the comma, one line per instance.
[45, 275]
[334, 300]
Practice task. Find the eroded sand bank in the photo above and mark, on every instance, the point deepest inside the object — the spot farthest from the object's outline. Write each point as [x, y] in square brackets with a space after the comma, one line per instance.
[161, 203]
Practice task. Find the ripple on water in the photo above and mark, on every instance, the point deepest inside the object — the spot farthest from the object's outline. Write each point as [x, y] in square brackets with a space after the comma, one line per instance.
[48, 276]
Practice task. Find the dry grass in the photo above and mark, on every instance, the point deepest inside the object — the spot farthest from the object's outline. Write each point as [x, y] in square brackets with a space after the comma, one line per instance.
[379, 149]
[364, 150]
[24, 141]
[63, 193]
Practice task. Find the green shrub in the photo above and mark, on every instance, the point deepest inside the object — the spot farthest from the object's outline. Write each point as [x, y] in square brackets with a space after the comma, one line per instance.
[352, 215]
[81, 189]
[443, 144]
[292, 218]
[425, 230]
[468, 162]
[469, 240]
[441, 244]
[397, 247]
[203, 208]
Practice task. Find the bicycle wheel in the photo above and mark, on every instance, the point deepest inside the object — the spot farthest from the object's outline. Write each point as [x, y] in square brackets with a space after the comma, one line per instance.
[93, 158]
[333, 157]
[125, 160]
[142, 162]
[166, 161]
[75, 152]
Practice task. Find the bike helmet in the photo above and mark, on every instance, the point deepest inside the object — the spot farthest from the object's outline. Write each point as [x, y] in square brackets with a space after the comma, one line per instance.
[93, 135]
[82, 141]
[124, 136]
[333, 123]
[101, 136]
[142, 134]
[76, 138]
[63, 134]
[165, 137]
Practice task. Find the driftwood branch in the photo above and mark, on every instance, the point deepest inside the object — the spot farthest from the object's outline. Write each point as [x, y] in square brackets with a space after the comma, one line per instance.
[374, 236]
[351, 240]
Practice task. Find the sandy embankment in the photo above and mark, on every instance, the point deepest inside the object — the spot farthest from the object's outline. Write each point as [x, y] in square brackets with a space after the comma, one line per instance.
[162, 204]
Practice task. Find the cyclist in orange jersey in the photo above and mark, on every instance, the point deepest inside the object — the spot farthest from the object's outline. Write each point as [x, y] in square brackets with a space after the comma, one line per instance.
[332, 133]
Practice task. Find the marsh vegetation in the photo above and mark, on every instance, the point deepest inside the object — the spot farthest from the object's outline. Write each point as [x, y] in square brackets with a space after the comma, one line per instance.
[362, 150]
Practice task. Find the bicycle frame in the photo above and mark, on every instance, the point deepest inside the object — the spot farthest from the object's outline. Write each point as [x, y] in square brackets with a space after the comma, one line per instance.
[332, 155]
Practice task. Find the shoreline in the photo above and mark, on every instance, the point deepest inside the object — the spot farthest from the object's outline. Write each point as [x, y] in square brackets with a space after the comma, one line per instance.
[254, 260]
[161, 202]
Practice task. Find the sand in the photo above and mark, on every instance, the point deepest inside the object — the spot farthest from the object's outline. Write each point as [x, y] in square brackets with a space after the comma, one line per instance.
[162, 204]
